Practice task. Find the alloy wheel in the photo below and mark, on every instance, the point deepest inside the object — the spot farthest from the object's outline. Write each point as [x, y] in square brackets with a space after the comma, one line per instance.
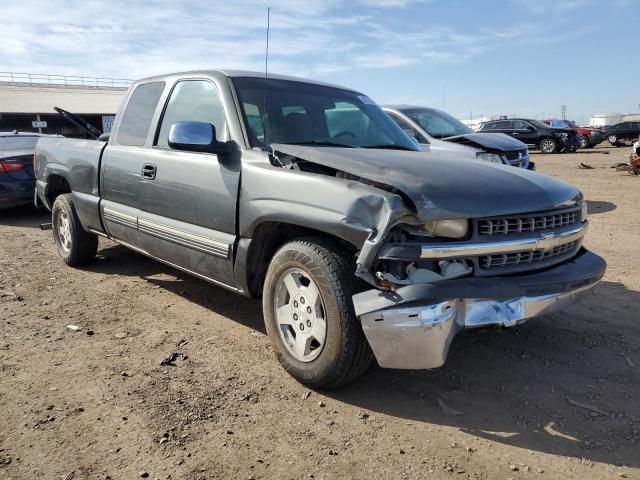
[300, 315]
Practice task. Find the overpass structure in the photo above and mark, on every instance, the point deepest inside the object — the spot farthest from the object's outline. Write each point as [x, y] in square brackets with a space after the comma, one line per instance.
[27, 101]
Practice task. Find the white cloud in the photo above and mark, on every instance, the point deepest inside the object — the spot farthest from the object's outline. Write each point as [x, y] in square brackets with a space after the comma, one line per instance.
[132, 39]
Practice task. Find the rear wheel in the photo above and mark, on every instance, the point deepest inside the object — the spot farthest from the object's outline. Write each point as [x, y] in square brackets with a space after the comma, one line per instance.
[309, 314]
[76, 246]
[613, 140]
[548, 145]
[585, 142]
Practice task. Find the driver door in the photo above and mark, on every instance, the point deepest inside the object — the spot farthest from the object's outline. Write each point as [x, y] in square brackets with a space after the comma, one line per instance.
[188, 205]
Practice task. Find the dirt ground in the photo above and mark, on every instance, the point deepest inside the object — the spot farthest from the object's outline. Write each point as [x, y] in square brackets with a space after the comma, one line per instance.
[558, 397]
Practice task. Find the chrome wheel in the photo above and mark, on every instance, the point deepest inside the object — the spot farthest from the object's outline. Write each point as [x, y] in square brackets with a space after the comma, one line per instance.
[584, 142]
[300, 315]
[64, 230]
[613, 139]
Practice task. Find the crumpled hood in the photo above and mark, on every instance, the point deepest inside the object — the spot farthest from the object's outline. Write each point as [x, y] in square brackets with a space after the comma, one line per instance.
[443, 186]
[488, 141]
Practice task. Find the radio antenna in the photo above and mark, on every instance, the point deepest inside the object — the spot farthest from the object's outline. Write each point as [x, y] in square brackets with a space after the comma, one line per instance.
[266, 78]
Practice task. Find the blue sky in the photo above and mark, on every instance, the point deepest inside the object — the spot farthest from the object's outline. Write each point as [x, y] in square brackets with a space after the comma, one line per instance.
[522, 57]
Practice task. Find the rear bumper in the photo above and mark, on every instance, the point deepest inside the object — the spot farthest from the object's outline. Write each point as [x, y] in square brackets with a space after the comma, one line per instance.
[13, 194]
[413, 327]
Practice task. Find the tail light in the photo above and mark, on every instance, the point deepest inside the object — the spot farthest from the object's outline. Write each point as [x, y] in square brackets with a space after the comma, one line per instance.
[10, 167]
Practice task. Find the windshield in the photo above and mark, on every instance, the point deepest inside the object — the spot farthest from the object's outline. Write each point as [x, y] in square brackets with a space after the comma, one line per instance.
[305, 113]
[437, 123]
[8, 144]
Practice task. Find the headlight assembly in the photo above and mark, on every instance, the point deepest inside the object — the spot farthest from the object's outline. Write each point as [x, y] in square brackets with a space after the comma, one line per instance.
[489, 157]
[584, 211]
[447, 228]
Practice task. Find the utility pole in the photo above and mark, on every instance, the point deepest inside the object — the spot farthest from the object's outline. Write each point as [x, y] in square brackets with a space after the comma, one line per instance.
[564, 112]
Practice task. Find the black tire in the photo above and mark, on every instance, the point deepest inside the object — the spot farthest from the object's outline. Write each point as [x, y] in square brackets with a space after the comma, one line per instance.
[345, 354]
[585, 142]
[548, 145]
[613, 140]
[76, 246]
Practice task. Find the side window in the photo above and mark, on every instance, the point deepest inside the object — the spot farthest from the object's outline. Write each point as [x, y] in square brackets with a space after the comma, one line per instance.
[520, 125]
[502, 125]
[138, 113]
[196, 101]
[486, 126]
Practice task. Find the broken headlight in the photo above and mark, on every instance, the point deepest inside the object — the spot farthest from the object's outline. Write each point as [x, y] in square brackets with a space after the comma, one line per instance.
[489, 157]
[584, 210]
[447, 228]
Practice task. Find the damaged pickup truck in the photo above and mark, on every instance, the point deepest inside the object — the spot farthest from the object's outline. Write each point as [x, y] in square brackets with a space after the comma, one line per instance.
[311, 197]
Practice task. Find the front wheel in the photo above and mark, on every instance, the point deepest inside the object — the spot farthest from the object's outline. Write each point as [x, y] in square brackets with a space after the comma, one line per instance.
[76, 246]
[548, 145]
[309, 314]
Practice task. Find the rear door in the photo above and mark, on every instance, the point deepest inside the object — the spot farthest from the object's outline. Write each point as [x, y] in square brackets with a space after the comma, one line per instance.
[122, 164]
[188, 207]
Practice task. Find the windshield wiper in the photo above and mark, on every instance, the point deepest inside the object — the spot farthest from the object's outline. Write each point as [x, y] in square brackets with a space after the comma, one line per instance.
[390, 146]
[320, 143]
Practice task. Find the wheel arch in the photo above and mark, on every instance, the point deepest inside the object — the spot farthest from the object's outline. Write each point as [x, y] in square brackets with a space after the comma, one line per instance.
[254, 254]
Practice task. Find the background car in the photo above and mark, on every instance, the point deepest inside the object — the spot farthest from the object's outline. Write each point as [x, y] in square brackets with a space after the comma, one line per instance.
[622, 133]
[535, 134]
[17, 182]
[437, 130]
[588, 137]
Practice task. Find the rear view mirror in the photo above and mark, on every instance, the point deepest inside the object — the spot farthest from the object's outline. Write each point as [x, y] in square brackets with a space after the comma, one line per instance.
[196, 137]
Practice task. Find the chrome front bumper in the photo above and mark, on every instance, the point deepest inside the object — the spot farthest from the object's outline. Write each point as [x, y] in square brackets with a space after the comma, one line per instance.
[413, 326]
[419, 337]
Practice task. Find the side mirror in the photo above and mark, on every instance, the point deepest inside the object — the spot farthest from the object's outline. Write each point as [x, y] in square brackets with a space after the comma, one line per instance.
[196, 137]
[531, 129]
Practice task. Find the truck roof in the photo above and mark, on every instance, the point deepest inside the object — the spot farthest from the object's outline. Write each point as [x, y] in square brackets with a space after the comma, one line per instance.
[237, 74]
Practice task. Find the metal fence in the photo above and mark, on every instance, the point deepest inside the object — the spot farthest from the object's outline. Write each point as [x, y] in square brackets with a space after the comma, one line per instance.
[62, 80]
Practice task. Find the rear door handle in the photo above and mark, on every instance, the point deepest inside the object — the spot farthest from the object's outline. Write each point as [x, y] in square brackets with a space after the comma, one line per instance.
[148, 171]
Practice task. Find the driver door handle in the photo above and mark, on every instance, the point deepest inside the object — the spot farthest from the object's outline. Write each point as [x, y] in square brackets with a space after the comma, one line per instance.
[148, 171]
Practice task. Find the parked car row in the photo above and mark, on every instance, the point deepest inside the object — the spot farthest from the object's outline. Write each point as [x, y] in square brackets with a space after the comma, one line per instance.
[588, 137]
[623, 133]
[437, 130]
[361, 243]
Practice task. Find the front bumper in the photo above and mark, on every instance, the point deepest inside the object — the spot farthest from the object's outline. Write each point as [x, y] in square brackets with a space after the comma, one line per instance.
[413, 326]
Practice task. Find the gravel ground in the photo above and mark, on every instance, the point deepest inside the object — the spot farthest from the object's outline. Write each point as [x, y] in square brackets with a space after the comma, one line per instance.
[555, 398]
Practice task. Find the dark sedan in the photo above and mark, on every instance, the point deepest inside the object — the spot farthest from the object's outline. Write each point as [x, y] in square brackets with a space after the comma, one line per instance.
[535, 134]
[623, 133]
[17, 182]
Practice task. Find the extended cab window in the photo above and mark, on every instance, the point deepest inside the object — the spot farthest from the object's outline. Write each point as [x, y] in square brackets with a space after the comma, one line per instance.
[196, 101]
[137, 116]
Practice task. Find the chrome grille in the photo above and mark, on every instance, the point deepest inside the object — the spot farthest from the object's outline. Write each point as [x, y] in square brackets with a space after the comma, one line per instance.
[520, 258]
[515, 155]
[528, 223]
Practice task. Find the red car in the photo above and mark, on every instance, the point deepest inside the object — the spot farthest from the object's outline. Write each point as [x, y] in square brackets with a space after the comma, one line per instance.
[587, 137]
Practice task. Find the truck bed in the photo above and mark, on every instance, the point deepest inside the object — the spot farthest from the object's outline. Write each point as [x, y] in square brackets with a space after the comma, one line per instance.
[77, 162]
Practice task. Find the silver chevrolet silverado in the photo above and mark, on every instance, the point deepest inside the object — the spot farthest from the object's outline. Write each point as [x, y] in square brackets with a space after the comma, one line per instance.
[310, 196]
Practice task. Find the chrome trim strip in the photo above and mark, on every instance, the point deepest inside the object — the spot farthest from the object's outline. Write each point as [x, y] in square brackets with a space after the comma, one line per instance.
[119, 217]
[177, 267]
[190, 240]
[541, 242]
